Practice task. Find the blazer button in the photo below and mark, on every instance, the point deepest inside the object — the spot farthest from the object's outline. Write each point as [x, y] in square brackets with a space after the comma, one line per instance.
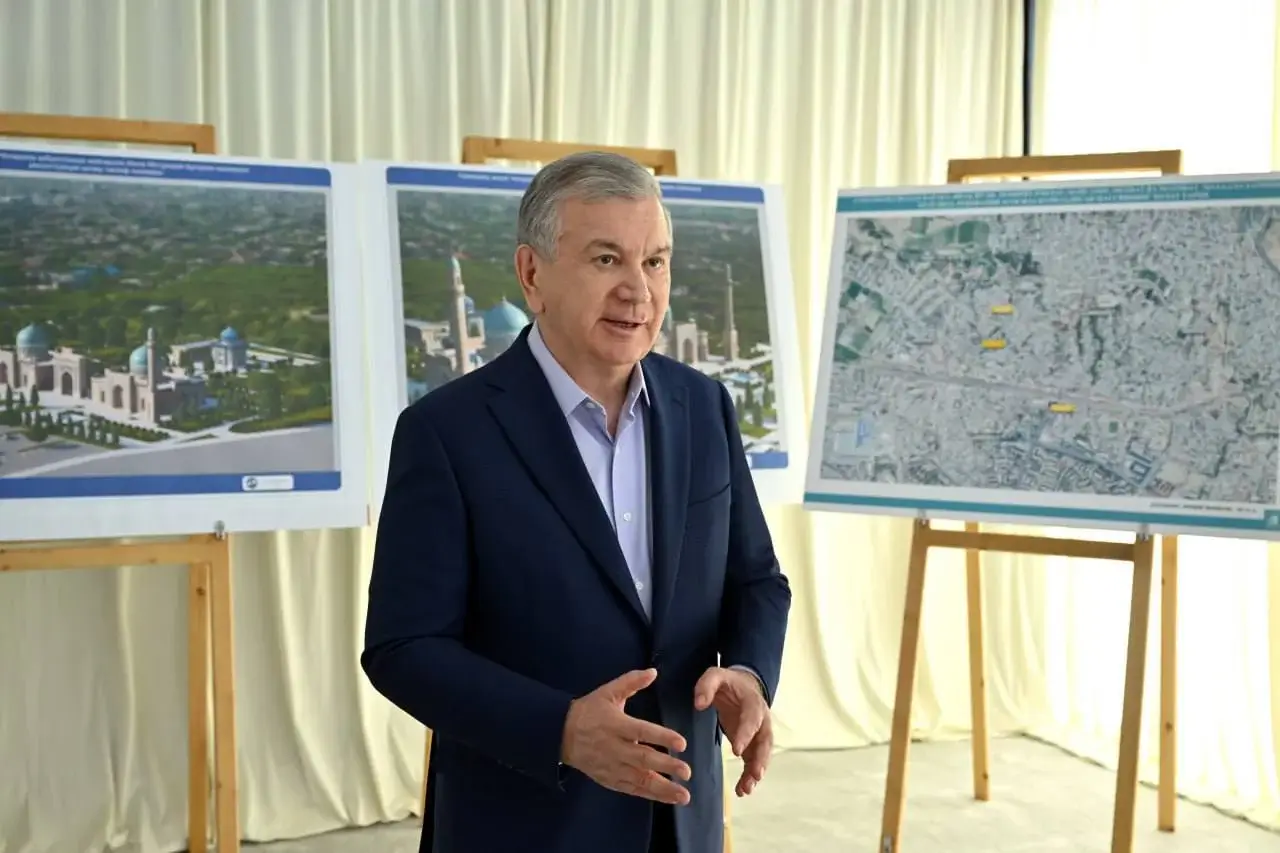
[655, 659]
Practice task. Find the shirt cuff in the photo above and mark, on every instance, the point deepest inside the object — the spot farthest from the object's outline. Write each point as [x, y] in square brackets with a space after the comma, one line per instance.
[751, 672]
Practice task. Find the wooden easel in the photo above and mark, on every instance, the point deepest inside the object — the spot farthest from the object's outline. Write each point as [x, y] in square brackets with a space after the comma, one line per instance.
[207, 556]
[973, 542]
[479, 150]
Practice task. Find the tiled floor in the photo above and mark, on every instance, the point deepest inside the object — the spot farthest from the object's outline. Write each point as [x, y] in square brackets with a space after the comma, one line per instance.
[1042, 800]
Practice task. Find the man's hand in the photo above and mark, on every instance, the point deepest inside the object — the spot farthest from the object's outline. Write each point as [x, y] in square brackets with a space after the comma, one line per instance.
[744, 716]
[616, 750]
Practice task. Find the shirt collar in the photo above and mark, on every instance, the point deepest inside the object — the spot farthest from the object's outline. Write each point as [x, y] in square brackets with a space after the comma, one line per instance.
[569, 395]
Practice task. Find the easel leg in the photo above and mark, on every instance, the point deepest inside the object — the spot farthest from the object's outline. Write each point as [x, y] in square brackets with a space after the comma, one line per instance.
[198, 708]
[1168, 789]
[1131, 718]
[895, 793]
[977, 673]
[226, 809]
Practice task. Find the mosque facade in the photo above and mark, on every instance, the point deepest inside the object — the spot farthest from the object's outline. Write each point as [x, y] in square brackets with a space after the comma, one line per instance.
[149, 388]
[465, 341]
[689, 344]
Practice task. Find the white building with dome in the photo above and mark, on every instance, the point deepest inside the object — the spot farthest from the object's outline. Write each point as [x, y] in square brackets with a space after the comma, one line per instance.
[34, 362]
[468, 339]
[503, 323]
[146, 390]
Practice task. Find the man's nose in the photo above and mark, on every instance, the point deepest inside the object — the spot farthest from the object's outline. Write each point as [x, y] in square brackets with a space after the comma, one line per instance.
[635, 287]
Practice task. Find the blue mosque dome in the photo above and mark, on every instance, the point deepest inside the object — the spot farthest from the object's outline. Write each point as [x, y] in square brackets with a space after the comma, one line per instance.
[504, 319]
[34, 335]
[229, 335]
[138, 361]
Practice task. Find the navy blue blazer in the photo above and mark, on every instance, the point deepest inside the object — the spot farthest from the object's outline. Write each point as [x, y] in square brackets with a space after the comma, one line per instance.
[499, 594]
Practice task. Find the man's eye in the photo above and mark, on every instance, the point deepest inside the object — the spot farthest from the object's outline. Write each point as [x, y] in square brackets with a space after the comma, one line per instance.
[605, 259]
[657, 263]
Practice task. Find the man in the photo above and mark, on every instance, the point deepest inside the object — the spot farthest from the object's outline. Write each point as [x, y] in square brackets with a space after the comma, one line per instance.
[573, 582]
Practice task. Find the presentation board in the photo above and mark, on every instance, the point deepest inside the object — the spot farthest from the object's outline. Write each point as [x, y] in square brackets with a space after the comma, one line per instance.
[442, 239]
[1088, 354]
[181, 345]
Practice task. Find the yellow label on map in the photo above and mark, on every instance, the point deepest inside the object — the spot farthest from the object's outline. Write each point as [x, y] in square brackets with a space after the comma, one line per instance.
[993, 343]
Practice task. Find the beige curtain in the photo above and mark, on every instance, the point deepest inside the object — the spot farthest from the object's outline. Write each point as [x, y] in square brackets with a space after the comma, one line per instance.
[1126, 75]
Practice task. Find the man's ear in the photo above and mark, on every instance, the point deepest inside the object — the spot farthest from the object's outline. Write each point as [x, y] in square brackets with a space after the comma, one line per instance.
[527, 268]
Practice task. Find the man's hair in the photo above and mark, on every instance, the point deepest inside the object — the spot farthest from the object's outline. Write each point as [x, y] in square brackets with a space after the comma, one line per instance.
[588, 176]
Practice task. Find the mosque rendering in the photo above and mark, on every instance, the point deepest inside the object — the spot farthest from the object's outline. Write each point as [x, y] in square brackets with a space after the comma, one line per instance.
[469, 338]
[465, 341]
[149, 388]
[688, 344]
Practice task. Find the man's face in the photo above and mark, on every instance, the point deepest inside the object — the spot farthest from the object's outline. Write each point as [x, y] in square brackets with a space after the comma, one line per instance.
[605, 293]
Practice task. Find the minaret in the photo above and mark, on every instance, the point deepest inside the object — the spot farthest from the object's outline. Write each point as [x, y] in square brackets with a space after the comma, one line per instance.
[461, 329]
[730, 326]
[153, 359]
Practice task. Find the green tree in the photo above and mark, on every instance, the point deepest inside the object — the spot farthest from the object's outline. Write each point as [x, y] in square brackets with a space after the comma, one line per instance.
[34, 396]
[267, 394]
[115, 331]
[92, 335]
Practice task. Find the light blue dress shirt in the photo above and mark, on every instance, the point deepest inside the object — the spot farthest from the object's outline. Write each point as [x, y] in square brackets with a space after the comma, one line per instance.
[618, 464]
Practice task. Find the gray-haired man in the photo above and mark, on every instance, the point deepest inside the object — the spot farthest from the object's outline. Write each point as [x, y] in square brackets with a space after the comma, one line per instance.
[573, 585]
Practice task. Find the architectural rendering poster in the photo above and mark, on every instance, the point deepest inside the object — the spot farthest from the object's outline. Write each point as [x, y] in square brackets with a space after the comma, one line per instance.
[449, 261]
[1095, 354]
[178, 337]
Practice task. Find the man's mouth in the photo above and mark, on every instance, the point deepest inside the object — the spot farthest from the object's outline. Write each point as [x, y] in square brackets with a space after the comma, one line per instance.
[624, 324]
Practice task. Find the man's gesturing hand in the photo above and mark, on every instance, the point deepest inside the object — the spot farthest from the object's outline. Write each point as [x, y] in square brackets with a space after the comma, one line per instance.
[614, 749]
[744, 716]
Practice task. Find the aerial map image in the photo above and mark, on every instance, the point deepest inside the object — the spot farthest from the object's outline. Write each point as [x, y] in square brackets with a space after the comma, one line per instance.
[463, 307]
[152, 328]
[1119, 351]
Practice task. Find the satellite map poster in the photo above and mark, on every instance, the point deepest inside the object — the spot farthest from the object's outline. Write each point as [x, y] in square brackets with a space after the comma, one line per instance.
[1093, 354]
[449, 262]
[175, 350]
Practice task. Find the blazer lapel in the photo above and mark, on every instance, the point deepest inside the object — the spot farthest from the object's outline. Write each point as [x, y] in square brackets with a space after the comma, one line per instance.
[669, 485]
[537, 429]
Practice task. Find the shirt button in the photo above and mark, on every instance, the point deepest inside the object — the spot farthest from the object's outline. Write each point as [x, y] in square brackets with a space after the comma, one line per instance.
[626, 516]
[639, 586]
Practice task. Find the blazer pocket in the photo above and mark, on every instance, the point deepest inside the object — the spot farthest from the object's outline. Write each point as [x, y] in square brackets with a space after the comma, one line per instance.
[707, 498]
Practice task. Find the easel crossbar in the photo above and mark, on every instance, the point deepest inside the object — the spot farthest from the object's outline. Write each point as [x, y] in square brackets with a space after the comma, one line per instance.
[102, 555]
[1040, 546]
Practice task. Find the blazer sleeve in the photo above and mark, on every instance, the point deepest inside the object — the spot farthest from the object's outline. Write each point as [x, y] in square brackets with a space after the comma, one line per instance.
[757, 596]
[415, 653]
